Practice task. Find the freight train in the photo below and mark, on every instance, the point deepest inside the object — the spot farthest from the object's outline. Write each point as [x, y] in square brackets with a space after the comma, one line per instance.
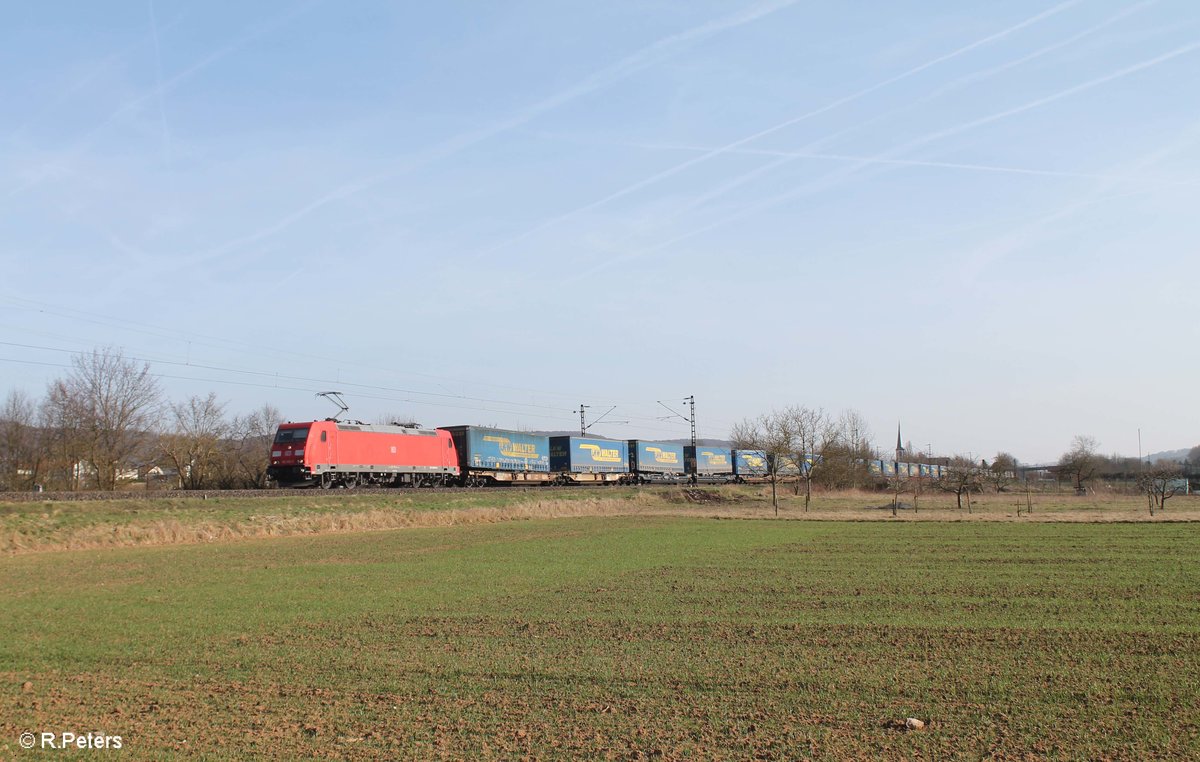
[347, 454]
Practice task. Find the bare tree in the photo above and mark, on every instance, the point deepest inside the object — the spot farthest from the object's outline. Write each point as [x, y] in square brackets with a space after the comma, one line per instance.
[1161, 482]
[250, 446]
[960, 477]
[771, 435]
[810, 432]
[22, 458]
[64, 427]
[194, 446]
[1002, 472]
[899, 484]
[1080, 462]
[846, 452]
[107, 406]
[917, 488]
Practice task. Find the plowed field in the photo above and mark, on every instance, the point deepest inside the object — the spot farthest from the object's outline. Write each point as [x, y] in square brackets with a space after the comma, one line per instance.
[617, 637]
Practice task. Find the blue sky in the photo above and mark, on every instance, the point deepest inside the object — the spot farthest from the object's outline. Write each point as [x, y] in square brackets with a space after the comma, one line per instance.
[975, 218]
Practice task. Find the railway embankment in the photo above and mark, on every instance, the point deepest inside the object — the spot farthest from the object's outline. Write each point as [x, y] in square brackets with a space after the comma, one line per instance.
[80, 521]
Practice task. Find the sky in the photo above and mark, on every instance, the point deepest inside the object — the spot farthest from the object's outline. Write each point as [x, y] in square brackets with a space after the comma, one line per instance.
[974, 220]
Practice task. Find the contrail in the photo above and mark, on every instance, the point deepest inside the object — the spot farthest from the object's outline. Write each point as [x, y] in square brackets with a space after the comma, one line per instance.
[344, 191]
[1183, 50]
[881, 160]
[670, 172]
[1039, 53]
[1003, 245]
[810, 150]
[815, 185]
[641, 59]
[86, 79]
[162, 89]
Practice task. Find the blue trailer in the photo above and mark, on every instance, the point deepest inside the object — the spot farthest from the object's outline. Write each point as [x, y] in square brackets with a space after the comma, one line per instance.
[756, 465]
[655, 461]
[749, 464]
[788, 466]
[587, 459]
[709, 463]
[488, 455]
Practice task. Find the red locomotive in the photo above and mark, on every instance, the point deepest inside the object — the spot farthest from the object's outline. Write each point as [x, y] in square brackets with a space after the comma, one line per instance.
[346, 454]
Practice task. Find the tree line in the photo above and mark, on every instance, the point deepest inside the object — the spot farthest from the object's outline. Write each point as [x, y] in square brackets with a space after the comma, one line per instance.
[811, 447]
[815, 446]
[835, 452]
[107, 420]
[1161, 480]
[107, 415]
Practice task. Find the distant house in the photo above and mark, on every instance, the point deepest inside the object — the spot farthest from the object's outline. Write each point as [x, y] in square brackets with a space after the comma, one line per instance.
[84, 473]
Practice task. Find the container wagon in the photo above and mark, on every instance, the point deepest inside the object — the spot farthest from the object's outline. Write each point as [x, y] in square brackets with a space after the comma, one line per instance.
[754, 466]
[587, 459]
[709, 464]
[749, 464]
[655, 461]
[498, 456]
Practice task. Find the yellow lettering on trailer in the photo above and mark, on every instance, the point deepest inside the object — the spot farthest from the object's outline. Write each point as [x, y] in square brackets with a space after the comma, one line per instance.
[663, 457]
[513, 449]
[602, 455]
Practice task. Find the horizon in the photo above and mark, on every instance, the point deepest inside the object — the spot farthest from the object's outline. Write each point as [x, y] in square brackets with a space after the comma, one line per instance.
[976, 221]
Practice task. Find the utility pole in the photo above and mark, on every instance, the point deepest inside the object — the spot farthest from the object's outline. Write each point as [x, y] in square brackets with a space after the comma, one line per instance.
[584, 425]
[691, 400]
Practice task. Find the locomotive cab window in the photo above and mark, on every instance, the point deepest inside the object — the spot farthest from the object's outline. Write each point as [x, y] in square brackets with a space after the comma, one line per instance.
[324, 435]
[291, 436]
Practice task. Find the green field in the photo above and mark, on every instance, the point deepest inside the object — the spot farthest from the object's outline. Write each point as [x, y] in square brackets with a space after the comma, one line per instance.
[618, 637]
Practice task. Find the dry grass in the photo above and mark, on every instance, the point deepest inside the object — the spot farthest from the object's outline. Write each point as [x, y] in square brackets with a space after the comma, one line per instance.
[173, 527]
[176, 532]
[861, 505]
